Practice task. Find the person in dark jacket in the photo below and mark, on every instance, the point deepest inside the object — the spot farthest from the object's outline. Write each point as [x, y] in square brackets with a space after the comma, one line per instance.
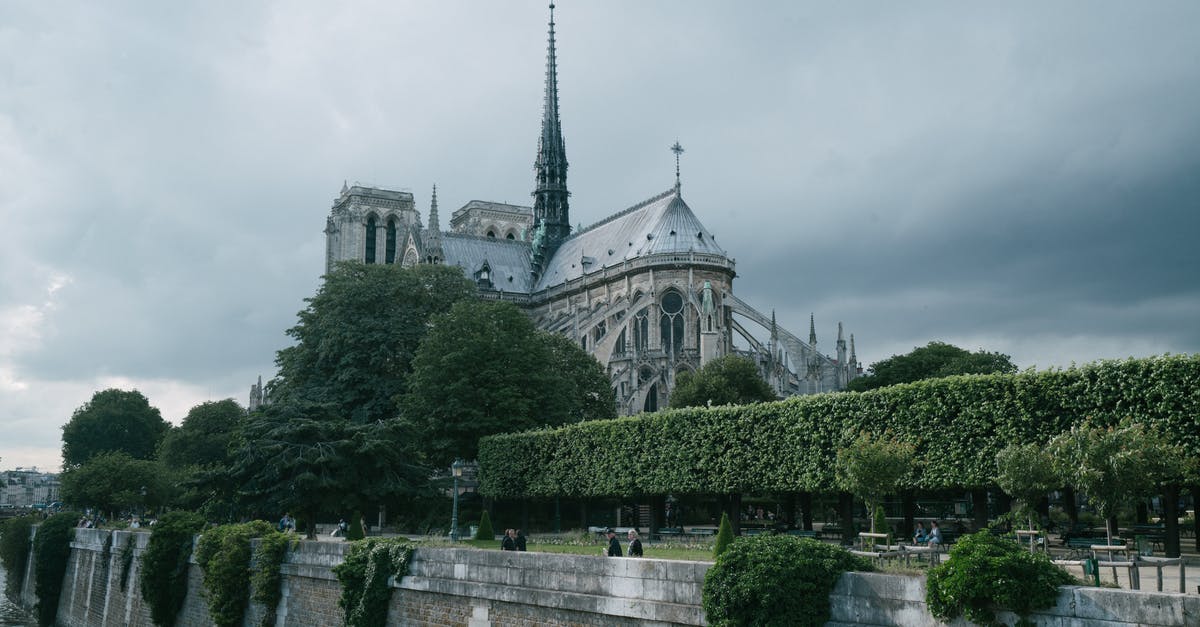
[520, 540]
[509, 543]
[635, 545]
[614, 546]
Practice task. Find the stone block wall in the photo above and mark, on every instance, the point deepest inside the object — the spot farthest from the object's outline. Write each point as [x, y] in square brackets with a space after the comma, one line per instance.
[468, 587]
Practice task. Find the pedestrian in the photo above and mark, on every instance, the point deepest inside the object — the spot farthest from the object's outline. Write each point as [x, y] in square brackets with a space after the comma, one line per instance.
[340, 529]
[520, 540]
[287, 523]
[509, 543]
[635, 545]
[614, 547]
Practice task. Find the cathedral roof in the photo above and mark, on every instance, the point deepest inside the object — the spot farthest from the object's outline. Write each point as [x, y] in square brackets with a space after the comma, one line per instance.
[662, 224]
[507, 259]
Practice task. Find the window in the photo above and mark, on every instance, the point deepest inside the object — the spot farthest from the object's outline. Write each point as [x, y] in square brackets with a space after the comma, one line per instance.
[651, 399]
[370, 235]
[510, 236]
[641, 329]
[670, 323]
[491, 234]
[389, 254]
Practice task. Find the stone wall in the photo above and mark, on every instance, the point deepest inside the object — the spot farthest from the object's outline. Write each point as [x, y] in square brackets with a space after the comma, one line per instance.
[452, 586]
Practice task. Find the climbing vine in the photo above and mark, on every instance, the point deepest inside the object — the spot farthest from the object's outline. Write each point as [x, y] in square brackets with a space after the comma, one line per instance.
[268, 558]
[14, 550]
[224, 554]
[164, 575]
[366, 575]
[51, 551]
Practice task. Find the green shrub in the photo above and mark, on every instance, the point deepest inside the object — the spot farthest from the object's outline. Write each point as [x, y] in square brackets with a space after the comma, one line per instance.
[164, 576]
[364, 576]
[355, 532]
[724, 535]
[779, 580]
[268, 557]
[986, 572]
[879, 523]
[51, 550]
[224, 555]
[14, 550]
[485, 531]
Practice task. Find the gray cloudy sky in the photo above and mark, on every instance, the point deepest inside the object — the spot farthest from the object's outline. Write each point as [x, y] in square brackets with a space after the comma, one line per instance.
[1020, 177]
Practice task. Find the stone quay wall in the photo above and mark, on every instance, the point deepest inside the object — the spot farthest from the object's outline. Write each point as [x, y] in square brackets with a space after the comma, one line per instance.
[469, 587]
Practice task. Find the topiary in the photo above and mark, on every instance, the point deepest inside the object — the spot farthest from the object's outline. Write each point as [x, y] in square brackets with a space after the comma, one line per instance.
[485, 531]
[775, 580]
[51, 550]
[986, 572]
[14, 550]
[165, 563]
[364, 575]
[356, 528]
[724, 535]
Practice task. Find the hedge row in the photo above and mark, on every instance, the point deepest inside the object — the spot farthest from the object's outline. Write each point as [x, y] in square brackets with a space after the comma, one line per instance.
[957, 425]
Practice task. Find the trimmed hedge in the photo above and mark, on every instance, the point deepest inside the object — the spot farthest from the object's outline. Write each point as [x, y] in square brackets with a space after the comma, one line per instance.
[957, 426]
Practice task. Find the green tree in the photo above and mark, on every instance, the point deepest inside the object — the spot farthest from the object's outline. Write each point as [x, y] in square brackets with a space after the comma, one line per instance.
[114, 420]
[1026, 471]
[932, 361]
[728, 380]
[1113, 465]
[113, 482]
[874, 467]
[198, 452]
[484, 369]
[724, 535]
[303, 457]
[356, 339]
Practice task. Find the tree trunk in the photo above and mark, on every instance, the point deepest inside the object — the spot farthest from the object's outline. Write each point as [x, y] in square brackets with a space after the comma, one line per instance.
[806, 514]
[1110, 525]
[1141, 513]
[1171, 518]
[908, 509]
[583, 514]
[658, 506]
[524, 514]
[733, 508]
[846, 509]
[1195, 489]
[979, 503]
[789, 511]
[1068, 498]
[1043, 508]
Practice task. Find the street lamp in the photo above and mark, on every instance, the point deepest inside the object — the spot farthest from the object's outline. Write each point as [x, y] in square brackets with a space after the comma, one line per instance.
[456, 469]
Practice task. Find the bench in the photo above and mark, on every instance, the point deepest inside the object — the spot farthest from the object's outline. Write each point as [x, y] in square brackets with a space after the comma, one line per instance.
[803, 533]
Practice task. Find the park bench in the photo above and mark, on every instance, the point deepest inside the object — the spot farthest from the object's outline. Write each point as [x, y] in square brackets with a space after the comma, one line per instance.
[803, 533]
[1154, 534]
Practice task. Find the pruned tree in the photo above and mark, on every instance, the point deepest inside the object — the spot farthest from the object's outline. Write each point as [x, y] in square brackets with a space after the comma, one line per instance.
[874, 467]
[728, 380]
[1026, 471]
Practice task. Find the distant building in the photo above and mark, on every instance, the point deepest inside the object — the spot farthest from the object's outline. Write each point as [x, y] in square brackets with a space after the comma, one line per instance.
[27, 487]
[647, 290]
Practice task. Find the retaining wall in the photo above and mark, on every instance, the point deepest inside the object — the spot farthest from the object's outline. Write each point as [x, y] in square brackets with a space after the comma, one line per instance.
[452, 586]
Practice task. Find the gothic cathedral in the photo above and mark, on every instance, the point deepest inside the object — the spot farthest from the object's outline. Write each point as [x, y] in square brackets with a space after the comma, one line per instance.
[647, 290]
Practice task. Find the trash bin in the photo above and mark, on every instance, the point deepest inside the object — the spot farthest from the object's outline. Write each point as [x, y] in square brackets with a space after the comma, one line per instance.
[474, 530]
[1091, 568]
[1145, 547]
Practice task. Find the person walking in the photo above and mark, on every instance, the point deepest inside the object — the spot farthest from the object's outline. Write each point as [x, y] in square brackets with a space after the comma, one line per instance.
[635, 545]
[614, 546]
[520, 540]
[509, 543]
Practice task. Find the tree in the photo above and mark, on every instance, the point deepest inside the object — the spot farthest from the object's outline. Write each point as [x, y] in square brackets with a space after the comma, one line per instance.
[728, 380]
[484, 369]
[934, 360]
[114, 420]
[113, 482]
[1026, 471]
[303, 457]
[873, 467]
[198, 451]
[356, 339]
[1113, 465]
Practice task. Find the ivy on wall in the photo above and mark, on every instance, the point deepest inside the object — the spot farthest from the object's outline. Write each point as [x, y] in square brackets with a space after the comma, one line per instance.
[164, 572]
[956, 426]
[225, 556]
[366, 574]
[51, 551]
[14, 550]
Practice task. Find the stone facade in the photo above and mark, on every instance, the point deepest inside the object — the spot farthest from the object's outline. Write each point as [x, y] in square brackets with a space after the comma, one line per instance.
[647, 290]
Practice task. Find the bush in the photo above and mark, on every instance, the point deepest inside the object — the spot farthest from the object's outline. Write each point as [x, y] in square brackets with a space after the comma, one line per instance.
[775, 580]
[364, 576]
[51, 549]
[724, 535]
[164, 575]
[14, 550]
[485, 531]
[985, 573]
[224, 555]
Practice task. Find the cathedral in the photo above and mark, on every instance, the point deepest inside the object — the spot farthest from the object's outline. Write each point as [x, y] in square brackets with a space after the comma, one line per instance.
[647, 290]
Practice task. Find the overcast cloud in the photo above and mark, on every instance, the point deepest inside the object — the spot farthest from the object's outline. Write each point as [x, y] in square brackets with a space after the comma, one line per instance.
[1019, 177]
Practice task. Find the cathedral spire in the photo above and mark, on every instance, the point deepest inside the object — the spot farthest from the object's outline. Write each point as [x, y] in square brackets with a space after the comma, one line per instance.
[812, 330]
[550, 194]
[433, 215]
[853, 357]
[433, 249]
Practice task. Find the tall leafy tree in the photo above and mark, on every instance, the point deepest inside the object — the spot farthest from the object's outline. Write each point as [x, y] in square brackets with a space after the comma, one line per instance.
[934, 360]
[728, 380]
[1026, 471]
[356, 339]
[485, 369]
[113, 482]
[198, 452]
[874, 467]
[114, 420]
[306, 458]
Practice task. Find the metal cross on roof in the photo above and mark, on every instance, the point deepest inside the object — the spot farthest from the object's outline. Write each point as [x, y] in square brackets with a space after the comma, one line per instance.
[678, 150]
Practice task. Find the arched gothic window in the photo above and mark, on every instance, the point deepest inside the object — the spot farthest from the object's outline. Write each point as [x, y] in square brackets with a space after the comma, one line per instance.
[389, 253]
[641, 329]
[670, 323]
[370, 235]
[651, 403]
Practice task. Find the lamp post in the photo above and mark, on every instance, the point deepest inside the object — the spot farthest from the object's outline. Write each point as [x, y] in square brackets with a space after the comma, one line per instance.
[456, 469]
